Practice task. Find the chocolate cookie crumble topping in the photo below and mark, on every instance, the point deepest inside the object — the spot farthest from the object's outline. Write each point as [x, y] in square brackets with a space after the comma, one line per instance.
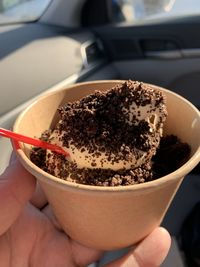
[162, 164]
[99, 120]
[113, 137]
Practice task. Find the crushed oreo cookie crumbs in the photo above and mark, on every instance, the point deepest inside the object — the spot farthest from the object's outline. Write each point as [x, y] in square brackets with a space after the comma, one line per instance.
[98, 119]
[100, 122]
[161, 166]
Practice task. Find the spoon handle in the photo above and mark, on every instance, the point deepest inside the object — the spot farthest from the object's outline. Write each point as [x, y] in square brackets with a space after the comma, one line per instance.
[32, 141]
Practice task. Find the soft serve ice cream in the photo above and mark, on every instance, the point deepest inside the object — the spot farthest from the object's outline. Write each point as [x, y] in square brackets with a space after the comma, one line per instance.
[111, 136]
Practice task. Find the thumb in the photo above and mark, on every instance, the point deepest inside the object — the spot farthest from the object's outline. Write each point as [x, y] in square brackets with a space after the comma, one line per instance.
[16, 188]
[151, 252]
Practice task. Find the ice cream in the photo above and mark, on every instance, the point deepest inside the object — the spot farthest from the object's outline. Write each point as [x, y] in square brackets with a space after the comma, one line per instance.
[110, 134]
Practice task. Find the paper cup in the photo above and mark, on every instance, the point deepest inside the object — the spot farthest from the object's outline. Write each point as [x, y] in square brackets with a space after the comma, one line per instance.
[108, 217]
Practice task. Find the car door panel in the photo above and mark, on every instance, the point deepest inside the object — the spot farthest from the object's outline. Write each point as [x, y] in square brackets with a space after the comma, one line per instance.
[166, 53]
[34, 57]
[179, 75]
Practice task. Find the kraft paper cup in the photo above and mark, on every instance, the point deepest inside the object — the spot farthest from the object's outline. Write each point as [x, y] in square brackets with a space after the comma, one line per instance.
[108, 217]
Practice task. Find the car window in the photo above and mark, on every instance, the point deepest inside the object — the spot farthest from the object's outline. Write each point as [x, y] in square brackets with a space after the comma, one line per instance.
[144, 10]
[21, 10]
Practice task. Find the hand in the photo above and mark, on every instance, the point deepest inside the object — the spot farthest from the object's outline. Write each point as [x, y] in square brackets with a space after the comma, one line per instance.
[31, 236]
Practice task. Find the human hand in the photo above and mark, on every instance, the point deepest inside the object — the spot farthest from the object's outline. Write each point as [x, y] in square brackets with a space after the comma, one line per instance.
[31, 236]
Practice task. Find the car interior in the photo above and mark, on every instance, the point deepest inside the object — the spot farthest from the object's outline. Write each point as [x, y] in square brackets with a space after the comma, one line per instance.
[86, 40]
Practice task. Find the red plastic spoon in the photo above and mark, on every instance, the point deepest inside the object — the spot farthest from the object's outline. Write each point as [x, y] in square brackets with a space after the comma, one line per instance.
[33, 141]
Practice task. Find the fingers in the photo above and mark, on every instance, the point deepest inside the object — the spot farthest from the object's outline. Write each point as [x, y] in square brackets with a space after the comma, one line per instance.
[38, 199]
[13, 159]
[16, 188]
[83, 256]
[151, 252]
[49, 213]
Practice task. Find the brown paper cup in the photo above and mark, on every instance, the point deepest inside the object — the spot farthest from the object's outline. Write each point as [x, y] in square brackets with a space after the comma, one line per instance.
[108, 217]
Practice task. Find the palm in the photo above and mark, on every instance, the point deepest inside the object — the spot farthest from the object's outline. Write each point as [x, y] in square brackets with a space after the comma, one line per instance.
[33, 240]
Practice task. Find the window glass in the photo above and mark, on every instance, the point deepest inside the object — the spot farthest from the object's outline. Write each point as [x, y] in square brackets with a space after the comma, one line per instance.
[141, 10]
[21, 10]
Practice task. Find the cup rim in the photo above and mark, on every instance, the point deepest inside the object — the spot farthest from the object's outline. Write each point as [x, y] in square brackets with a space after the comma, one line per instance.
[180, 172]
